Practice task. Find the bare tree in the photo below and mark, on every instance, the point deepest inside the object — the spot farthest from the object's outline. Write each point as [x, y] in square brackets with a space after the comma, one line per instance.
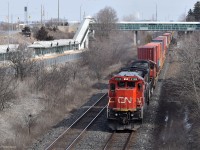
[53, 82]
[73, 69]
[189, 55]
[106, 52]
[29, 121]
[106, 19]
[22, 62]
[96, 59]
[7, 87]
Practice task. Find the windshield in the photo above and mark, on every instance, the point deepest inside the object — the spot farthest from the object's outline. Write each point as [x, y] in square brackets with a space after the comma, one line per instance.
[140, 65]
[126, 84]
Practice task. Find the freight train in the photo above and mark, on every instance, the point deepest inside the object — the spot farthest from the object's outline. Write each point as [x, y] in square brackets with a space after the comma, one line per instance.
[131, 89]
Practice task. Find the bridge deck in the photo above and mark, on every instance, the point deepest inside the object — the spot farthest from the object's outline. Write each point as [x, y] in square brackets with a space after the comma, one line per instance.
[154, 26]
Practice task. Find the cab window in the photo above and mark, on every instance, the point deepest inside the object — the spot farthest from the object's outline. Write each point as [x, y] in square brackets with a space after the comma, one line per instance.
[131, 84]
[140, 87]
[121, 84]
[112, 87]
[151, 65]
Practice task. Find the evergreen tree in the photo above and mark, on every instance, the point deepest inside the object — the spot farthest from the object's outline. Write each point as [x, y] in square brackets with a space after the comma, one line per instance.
[190, 16]
[196, 11]
[42, 34]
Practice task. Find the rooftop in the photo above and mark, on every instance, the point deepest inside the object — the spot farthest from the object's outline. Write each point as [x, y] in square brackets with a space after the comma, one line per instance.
[54, 43]
[127, 73]
[12, 47]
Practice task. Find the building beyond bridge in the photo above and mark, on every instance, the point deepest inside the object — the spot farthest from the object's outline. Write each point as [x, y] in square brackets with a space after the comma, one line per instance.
[6, 49]
[80, 41]
[53, 47]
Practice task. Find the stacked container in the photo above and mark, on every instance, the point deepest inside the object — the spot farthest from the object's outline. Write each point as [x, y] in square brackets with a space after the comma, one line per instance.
[149, 52]
[163, 41]
[159, 53]
[169, 37]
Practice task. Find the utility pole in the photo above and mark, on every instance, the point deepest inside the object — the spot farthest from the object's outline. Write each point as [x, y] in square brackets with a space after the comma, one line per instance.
[41, 15]
[80, 13]
[156, 13]
[8, 25]
[58, 12]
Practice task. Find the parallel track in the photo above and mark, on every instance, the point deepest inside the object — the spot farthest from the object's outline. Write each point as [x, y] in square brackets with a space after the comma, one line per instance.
[72, 134]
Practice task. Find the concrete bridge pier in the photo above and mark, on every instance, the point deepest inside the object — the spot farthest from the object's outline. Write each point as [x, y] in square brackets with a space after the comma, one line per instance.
[135, 38]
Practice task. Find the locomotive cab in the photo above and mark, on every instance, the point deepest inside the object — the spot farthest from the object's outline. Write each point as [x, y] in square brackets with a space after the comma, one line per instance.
[146, 64]
[126, 100]
[151, 67]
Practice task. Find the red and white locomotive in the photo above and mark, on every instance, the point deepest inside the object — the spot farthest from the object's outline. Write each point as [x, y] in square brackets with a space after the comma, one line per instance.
[131, 89]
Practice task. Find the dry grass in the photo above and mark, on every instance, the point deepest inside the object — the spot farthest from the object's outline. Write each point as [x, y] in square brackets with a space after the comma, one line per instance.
[17, 39]
[45, 114]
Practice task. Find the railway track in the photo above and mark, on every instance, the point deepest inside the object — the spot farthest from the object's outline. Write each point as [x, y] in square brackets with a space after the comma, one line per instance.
[73, 133]
[117, 138]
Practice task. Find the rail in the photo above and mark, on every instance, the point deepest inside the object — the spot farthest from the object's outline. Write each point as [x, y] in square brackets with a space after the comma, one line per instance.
[75, 122]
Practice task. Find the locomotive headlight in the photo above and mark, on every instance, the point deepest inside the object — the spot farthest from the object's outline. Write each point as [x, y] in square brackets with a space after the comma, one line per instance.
[132, 115]
[116, 114]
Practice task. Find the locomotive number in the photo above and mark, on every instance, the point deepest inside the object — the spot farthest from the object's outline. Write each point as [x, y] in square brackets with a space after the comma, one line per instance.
[123, 100]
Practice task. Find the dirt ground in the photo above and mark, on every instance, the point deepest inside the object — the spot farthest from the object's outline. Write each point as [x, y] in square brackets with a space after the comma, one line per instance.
[173, 122]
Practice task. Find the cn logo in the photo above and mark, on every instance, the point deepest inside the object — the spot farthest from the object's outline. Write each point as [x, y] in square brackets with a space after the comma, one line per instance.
[123, 100]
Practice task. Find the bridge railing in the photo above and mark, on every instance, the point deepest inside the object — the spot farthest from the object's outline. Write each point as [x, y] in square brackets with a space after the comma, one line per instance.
[153, 26]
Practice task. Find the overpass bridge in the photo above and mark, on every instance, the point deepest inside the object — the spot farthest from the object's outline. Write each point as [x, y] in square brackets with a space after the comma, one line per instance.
[88, 26]
[153, 26]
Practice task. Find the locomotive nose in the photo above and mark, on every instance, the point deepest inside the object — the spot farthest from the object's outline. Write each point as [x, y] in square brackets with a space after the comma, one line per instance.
[125, 99]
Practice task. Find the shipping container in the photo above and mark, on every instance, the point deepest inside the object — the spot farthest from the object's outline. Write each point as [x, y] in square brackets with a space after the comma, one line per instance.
[148, 52]
[163, 41]
[160, 55]
[169, 37]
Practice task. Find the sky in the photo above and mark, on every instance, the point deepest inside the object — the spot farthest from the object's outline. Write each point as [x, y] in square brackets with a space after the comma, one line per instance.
[74, 10]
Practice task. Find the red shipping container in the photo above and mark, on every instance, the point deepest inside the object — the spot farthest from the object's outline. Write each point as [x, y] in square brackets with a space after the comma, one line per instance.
[169, 38]
[147, 52]
[163, 41]
[159, 54]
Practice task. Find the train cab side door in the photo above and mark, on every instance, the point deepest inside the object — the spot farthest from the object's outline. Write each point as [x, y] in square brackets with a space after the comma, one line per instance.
[140, 94]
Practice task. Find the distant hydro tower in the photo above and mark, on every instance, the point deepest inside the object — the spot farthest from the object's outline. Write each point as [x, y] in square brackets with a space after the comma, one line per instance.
[25, 15]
